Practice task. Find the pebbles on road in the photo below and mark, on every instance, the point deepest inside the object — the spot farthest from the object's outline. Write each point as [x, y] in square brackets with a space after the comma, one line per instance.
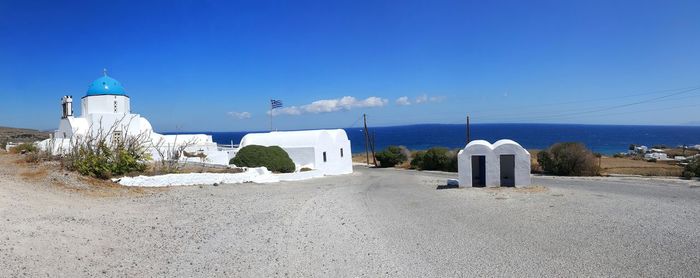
[375, 222]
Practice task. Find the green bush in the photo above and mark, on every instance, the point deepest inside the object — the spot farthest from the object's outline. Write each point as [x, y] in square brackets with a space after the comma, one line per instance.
[437, 158]
[273, 158]
[568, 159]
[692, 169]
[25, 148]
[453, 166]
[417, 160]
[391, 156]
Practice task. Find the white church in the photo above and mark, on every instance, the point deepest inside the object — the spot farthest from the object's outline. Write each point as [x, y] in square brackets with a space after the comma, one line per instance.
[106, 111]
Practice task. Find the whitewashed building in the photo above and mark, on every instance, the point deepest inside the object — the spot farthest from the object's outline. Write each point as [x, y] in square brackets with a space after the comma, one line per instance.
[327, 151]
[106, 112]
[504, 163]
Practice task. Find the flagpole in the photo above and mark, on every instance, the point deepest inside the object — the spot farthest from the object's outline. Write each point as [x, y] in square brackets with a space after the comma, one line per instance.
[274, 104]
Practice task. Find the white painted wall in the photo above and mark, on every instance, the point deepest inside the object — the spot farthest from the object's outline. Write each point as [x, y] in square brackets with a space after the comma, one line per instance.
[302, 156]
[105, 104]
[522, 159]
[493, 164]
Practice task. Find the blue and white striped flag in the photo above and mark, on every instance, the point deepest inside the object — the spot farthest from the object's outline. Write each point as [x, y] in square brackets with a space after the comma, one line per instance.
[275, 103]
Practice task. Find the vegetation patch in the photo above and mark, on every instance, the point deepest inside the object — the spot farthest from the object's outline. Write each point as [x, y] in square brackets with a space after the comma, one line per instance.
[692, 169]
[437, 158]
[96, 156]
[568, 159]
[24, 148]
[392, 156]
[273, 158]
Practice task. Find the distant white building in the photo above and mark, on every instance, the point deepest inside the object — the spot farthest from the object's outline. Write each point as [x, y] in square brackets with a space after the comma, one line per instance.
[505, 163]
[106, 111]
[327, 151]
[657, 156]
[639, 150]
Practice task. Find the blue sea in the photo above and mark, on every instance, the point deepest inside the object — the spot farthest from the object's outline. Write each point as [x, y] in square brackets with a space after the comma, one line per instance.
[606, 139]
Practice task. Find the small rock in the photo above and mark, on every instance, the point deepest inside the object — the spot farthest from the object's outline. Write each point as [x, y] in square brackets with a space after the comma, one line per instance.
[216, 184]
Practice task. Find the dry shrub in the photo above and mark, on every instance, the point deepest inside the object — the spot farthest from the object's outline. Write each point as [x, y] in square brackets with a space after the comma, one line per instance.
[436, 158]
[568, 159]
[101, 156]
[32, 158]
[170, 155]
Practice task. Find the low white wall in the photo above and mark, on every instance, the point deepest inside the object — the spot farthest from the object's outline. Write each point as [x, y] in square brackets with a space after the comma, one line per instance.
[302, 156]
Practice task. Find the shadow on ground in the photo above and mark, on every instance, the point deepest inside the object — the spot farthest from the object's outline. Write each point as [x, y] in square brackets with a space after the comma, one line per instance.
[444, 186]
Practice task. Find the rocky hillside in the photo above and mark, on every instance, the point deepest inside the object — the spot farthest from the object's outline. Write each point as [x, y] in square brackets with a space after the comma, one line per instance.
[10, 134]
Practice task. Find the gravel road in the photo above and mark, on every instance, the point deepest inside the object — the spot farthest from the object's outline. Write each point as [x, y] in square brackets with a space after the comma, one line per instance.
[375, 222]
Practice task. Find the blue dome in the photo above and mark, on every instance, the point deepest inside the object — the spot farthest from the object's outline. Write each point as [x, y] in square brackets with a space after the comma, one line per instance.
[105, 85]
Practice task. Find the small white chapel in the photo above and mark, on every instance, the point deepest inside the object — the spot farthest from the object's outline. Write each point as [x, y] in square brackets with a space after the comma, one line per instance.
[106, 111]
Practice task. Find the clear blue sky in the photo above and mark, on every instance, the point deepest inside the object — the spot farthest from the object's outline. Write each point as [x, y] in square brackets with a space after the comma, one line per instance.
[210, 65]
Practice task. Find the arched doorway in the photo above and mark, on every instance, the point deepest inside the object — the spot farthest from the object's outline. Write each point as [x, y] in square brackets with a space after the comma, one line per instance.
[507, 170]
[478, 171]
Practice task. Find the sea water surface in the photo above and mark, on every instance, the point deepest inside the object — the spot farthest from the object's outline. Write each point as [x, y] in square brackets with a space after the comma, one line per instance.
[606, 139]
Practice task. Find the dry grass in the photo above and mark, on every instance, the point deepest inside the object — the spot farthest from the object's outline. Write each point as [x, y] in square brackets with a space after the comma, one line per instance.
[627, 166]
[154, 170]
[361, 158]
[34, 174]
[50, 175]
[680, 152]
[532, 189]
[405, 165]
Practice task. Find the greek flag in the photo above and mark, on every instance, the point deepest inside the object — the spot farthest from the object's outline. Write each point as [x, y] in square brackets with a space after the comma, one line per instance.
[275, 103]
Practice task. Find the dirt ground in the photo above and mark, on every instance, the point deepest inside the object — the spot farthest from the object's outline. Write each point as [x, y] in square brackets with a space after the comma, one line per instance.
[372, 223]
